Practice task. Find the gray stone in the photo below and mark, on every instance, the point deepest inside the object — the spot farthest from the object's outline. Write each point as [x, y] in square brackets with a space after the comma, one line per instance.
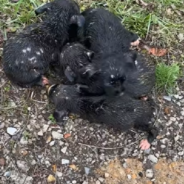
[11, 130]
[129, 176]
[167, 98]
[59, 174]
[153, 158]
[22, 165]
[7, 174]
[149, 173]
[2, 125]
[87, 170]
[56, 135]
[97, 182]
[101, 179]
[23, 141]
[52, 143]
[45, 128]
[40, 133]
[65, 161]
[63, 150]
[147, 151]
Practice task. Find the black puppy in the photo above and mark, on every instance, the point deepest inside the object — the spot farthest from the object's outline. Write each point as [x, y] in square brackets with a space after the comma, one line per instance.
[75, 63]
[121, 112]
[27, 55]
[104, 34]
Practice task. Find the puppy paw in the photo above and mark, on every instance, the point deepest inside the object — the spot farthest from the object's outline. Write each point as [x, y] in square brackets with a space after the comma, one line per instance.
[135, 43]
[45, 81]
[144, 145]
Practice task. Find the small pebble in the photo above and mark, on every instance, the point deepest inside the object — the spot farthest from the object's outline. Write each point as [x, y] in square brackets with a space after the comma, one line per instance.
[74, 181]
[56, 135]
[2, 125]
[97, 182]
[65, 161]
[101, 179]
[85, 182]
[52, 143]
[59, 174]
[153, 158]
[129, 176]
[22, 165]
[7, 174]
[64, 149]
[168, 98]
[106, 175]
[180, 153]
[40, 133]
[149, 173]
[45, 128]
[11, 130]
[87, 170]
[147, 151]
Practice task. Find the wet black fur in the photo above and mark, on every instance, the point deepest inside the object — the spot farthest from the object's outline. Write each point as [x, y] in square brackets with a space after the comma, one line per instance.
[121, 112]
[104, 34]
[75, 63]
[26, 68]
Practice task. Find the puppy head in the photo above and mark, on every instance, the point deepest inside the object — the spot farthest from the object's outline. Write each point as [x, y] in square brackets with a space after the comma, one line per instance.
[61, 94]
[115, 72]
[79, 62]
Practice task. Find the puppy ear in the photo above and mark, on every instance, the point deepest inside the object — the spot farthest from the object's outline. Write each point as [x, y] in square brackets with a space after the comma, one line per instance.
[69, 74]
[90, 54]
[79, 20]
[42, 9]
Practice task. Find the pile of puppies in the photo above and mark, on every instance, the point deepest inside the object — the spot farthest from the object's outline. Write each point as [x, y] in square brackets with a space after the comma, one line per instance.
[105, 80]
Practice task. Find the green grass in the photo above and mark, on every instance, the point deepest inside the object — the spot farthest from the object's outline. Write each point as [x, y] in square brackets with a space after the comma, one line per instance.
[147, 22]
[15, 16]
[160, 24]
[166, 76]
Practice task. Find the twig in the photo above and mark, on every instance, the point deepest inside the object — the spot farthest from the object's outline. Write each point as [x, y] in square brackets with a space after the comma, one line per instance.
[141, 2]
[108, 148]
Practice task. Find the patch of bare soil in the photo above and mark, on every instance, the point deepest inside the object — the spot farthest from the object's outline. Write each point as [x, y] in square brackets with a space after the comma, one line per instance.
[132, 172]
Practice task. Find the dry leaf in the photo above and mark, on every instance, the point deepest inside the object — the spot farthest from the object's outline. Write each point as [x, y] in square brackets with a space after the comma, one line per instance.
[49, 138]
[157, 52]
[74, 167]
[54, 167]
[152, 50]
[24, 152]
[67, 135]
[167, 110]
[51, 178]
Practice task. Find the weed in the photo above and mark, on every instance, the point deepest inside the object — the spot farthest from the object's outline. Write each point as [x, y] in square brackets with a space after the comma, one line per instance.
[166, 76]
[26, 135]
[52, 119]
